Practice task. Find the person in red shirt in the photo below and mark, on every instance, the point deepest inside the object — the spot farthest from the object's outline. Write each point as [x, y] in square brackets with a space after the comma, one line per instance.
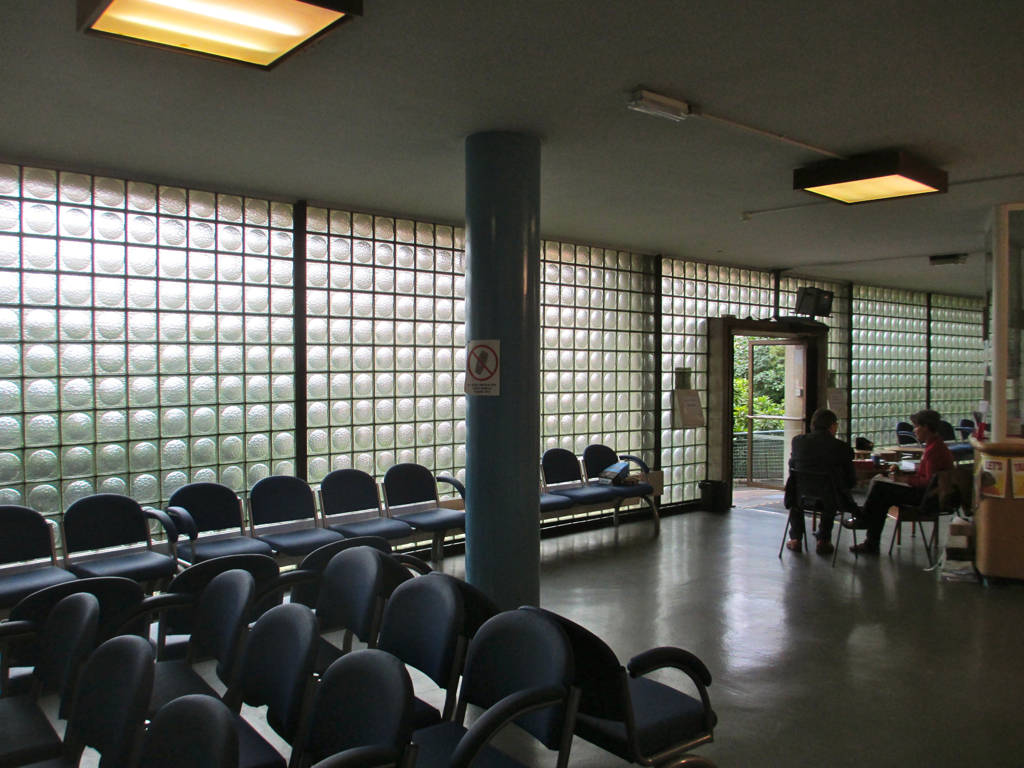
[903, 489]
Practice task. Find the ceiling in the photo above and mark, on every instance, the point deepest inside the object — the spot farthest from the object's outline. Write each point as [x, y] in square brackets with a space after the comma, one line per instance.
[374, 117]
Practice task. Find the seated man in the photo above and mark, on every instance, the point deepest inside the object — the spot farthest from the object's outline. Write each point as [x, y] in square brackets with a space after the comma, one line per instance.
[903, 489]
[821, 451]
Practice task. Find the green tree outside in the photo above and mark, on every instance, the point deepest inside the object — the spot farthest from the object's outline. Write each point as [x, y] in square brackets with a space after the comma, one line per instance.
[769, 383]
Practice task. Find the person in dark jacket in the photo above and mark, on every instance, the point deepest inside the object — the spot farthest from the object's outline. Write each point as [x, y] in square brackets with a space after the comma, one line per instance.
[821, 451]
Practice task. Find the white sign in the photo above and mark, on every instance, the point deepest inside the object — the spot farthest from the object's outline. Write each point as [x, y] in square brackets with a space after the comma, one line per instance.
[837, 402]
[689, 410]
[483, 368]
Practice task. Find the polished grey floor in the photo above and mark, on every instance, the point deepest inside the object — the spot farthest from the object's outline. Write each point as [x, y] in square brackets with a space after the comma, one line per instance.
[874, 663]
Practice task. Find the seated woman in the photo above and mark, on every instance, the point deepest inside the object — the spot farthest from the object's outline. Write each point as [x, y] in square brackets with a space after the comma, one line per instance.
[903, 489]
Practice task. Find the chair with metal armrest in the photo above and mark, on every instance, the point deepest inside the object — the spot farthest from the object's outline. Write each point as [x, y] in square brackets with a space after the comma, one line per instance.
[410, 495]
[282, 513]
[216, 511]
[597, 458]
[28, 554]
[347, 491]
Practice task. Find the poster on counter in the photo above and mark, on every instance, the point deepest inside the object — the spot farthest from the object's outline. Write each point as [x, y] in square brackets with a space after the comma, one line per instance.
[994, 473]
[1017, 473]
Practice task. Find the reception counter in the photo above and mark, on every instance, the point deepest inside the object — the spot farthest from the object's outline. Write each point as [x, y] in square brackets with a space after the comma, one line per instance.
[999, 522]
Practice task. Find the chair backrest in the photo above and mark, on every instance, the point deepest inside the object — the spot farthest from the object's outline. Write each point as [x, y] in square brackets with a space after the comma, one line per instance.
[24, 534]
[64, 642]
[348, 490]
[946, 431]
[421, 626]
[514, 651]
[816, 490]
[213, 507]
[365, 698]
[112, 700]
[220, 618]
[905, 433]
[194, 731]
[104, 520]
[355, 583]
[599, 675]
[409, 484]
[277, 665]
[477, 607]
[116, 596]
[965, 428]
[560, 466]
[280, 499]
[317, 560]
[597, 458]
[954, 489]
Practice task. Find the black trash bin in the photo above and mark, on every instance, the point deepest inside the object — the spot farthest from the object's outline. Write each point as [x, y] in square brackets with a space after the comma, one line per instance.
[714, 495]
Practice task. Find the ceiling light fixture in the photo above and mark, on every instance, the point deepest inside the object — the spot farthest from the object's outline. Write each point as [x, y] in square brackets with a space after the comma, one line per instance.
[651, 103]
[261, 33]
[875, 176]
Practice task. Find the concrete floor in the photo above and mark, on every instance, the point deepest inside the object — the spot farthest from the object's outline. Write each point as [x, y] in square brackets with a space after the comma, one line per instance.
[875, 663]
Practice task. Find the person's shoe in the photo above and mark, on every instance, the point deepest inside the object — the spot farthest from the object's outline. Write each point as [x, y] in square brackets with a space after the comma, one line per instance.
[854, 524]
[794, 545]
[865, 548]
[824, 547]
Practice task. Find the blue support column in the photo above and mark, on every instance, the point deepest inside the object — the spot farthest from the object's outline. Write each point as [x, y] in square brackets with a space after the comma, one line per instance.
[503, 303]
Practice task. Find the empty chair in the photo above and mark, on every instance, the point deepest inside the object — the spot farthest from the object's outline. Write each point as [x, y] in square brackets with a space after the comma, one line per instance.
[108, 520]
[597, 458]
[274, 671]
[63, 643]
[520, 669]
[191, 732]
[965, 428]
[552, 502]
[946, 431]
[316, 561]
[477, 607]
[422, 626]
[220, 617]
[638, 719]
[285, 508]
[26, 536]
[365, 699]
[905, 434]
[216, 511]
[109, 709]
[345, 491]
[356, 586]
[561, 473]
[410, 495]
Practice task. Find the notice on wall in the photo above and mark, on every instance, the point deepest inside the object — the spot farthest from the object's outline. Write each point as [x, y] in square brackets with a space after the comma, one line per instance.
[1017, 473]
[837, 402]
[688, 408]
[994, 471]
[483, 368]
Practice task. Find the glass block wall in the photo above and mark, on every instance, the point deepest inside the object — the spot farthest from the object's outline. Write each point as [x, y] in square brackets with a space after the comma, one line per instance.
[958, 356]
[146, 338]
[386, 344]
[597, 349]
[889, 360]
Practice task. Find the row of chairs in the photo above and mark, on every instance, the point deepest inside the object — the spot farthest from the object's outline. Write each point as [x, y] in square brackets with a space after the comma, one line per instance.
[283, 520]
[567, 482]
[533, 667]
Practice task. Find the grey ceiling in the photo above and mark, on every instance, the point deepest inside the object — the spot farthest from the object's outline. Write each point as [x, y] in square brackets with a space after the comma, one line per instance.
[374, 117]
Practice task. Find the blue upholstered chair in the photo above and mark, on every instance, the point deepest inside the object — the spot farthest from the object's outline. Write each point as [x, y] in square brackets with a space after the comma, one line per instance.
[282, 513]
[597, 458]
[347, 491]
[210, 515]
[196, 731]
[562, 475]
[28, 556]
[410, 495]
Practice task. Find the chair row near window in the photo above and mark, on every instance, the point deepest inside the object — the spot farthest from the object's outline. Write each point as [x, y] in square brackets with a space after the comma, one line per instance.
[570, 484]
[549, 675]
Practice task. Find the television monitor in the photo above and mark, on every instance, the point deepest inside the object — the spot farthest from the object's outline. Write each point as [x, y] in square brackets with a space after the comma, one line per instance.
[814, 302]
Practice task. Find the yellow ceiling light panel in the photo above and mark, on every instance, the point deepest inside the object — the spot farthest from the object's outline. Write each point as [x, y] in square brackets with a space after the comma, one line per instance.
[256, 32]
[878, 176]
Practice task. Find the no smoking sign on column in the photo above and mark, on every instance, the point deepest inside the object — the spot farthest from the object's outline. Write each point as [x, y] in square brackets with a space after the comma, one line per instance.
[483, 367]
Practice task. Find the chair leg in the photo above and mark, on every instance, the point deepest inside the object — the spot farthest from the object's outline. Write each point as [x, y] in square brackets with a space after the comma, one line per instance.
[615, 513]
[895, 534]
[656, 516]
[839, 537]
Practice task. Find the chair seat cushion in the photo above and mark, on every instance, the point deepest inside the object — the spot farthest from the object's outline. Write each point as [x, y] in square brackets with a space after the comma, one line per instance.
[424, 715]
[236, 545]
[15, 586]
[384, 527]
[589, 494]
[664, 717]
[437, 743]
[434, 520]
[300, 543]
[173, 679]
[140, 566]
[630, 491]
[253, 750]
[552, 502]
[26, 736]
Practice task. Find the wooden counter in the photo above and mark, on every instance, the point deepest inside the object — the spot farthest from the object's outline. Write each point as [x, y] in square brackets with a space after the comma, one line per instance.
[999, 523]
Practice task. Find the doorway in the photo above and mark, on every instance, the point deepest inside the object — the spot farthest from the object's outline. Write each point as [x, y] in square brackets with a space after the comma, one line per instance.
[769, 407]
